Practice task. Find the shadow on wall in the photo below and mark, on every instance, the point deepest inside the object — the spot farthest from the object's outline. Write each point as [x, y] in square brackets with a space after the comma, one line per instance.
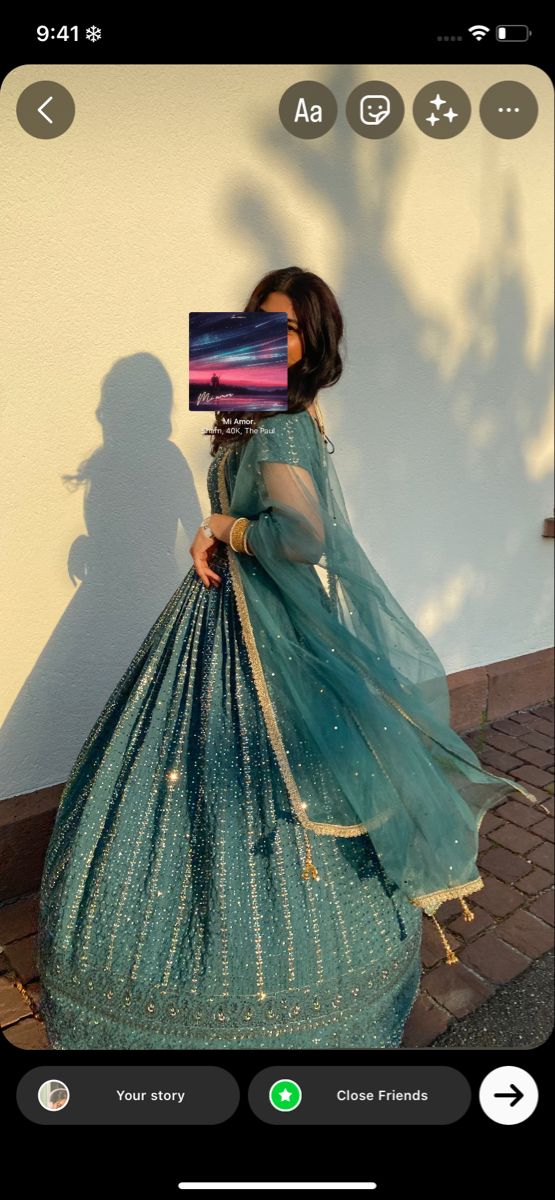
[137, 487]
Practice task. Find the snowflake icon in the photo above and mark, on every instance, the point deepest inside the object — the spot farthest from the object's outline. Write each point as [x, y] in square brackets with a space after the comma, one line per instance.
[93, 33]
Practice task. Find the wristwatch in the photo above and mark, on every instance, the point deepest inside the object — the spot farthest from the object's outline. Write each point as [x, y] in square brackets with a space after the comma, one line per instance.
[206, 528]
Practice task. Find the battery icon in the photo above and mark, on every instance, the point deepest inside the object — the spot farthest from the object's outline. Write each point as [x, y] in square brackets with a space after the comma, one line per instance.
[512, 33]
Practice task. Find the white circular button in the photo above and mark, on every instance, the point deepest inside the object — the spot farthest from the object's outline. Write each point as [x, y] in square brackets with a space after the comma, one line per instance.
[508, 1095]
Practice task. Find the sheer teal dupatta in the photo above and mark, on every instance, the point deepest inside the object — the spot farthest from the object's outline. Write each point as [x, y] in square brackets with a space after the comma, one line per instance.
[342, 672]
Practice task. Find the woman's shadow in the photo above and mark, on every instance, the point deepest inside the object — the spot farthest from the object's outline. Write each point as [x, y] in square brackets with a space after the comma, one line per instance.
[137, 487]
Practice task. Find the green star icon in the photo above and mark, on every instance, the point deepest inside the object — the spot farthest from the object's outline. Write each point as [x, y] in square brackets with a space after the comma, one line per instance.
[285, 1095]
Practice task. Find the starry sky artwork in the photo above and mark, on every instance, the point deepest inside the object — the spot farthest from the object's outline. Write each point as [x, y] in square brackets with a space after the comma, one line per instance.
[238, 361]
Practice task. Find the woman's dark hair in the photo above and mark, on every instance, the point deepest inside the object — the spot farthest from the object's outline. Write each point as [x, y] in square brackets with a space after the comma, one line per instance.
[321, 327]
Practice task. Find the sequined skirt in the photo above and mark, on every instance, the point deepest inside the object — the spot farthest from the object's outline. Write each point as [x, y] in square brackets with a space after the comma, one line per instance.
[173, 909]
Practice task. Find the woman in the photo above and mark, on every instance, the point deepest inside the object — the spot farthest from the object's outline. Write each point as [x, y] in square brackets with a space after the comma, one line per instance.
[273, 795]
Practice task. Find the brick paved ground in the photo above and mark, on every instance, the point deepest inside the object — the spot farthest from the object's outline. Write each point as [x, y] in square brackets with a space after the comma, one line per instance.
[513, 924]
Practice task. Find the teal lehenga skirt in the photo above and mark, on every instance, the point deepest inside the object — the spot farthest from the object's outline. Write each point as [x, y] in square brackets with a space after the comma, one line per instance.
[175, 909]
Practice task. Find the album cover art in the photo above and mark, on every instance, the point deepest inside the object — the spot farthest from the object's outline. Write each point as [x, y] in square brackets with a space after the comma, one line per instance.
[238, 361]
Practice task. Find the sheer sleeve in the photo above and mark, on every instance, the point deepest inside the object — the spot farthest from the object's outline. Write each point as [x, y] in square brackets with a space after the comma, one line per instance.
[290, 525]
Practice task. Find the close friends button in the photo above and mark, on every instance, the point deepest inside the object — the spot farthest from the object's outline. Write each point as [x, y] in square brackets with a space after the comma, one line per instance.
[362, 1095]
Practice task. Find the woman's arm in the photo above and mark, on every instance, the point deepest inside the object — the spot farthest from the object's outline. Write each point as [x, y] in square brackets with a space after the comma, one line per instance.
[202, 547]
[221, 526]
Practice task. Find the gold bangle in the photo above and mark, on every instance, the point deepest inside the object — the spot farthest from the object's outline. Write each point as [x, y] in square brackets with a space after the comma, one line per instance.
[231, 532]
[245, 547]
[237, 530]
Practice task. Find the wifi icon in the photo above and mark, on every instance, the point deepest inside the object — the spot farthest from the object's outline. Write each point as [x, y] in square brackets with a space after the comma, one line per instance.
[478, 31]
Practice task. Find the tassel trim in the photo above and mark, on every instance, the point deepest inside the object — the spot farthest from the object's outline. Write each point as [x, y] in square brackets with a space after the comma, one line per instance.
[467, 911]
[309, 868]
[34, 1009]
[468, 915]
[451, 956]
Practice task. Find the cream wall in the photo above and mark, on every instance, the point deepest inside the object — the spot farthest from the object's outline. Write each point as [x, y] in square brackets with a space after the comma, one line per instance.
[176, 188]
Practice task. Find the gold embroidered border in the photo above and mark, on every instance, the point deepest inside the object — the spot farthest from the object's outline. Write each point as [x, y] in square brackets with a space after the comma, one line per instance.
[266, 705]
[436, 898]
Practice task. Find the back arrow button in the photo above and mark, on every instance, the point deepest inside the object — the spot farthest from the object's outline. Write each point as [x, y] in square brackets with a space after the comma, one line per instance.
[33, 102]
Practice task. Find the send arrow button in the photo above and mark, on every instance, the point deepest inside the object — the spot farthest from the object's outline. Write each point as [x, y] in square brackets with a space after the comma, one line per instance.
[511, 1084]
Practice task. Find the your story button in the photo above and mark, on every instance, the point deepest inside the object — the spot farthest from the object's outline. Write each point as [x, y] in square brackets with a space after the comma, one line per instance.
[132, 1095]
